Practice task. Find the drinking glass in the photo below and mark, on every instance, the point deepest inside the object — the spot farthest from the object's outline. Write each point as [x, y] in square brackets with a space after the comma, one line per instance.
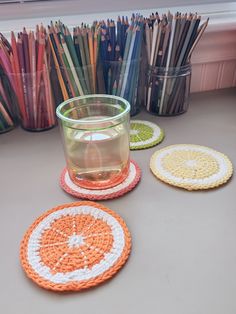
[95, 132]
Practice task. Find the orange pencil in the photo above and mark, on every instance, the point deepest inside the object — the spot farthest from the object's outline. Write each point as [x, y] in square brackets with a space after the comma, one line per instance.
[6, 63]
[62, 64]
[91, 53]
[61, 81]
[50, 104]
[46, 104]
[5, 114]
[95, 48]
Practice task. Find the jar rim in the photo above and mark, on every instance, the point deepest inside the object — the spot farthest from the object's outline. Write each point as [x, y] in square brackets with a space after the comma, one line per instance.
[171, 69]
[87, 122]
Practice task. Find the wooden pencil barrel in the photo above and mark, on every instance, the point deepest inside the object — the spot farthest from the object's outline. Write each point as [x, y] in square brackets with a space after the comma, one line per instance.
[167, 90]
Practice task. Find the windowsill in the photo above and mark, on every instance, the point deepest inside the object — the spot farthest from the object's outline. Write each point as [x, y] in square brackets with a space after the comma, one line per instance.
[222, 15]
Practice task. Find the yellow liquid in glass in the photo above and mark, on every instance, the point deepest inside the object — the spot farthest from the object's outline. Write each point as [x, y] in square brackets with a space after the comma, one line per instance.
[97, 159]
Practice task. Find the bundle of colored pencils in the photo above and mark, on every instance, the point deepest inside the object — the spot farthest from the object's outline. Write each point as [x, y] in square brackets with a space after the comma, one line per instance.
[103, 58]
[30, 74]
[8, 101]
[75, 58]
[111, 51]
[120, 52]
[43, 68]
[170, 41]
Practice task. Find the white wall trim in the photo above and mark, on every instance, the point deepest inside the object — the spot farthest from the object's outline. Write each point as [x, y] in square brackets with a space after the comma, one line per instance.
[222, 15]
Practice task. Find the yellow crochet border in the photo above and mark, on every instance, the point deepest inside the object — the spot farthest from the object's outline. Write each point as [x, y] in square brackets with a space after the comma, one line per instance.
[187, 186]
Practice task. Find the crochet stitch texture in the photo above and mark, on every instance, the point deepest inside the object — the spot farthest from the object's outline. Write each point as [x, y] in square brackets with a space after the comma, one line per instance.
[124, 187]
[192, 167]
[75, 246]
[144, 134]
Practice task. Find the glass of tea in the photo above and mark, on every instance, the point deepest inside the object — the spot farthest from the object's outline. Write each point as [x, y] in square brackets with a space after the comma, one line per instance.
[95, 132]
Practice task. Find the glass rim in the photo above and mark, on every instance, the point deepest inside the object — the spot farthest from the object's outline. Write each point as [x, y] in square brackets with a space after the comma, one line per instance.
[187, 66]
[63, 118]
[137, 60]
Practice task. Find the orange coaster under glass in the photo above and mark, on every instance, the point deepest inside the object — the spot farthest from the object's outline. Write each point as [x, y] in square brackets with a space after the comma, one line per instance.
[127, 185]
[75, 246]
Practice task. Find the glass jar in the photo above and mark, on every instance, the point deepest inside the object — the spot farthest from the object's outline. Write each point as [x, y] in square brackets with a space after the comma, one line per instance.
[95, 132]
[36, 104]
[167, 90]
[122, 78]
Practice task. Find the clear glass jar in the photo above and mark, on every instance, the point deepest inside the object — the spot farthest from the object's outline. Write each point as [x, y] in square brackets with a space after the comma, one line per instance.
[95, 132]
[122, 78]
[36, 105]
[167, 90]
[118, 78]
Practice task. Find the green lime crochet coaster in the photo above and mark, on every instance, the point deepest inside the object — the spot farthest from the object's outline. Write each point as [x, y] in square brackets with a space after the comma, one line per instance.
[144, 134]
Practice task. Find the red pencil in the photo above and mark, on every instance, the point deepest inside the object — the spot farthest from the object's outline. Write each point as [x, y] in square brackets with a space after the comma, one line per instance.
[34, 76]
[23, 76]
[18, 76]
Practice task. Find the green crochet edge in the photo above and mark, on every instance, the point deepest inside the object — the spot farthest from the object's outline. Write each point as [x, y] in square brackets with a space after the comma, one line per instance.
[149, 145]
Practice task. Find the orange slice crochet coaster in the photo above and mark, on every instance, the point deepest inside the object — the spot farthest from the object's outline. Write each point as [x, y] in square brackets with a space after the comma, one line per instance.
[75, 246]
[127, 185]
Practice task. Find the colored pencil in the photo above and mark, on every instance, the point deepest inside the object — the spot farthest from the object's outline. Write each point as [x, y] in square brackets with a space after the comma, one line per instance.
[174, 38]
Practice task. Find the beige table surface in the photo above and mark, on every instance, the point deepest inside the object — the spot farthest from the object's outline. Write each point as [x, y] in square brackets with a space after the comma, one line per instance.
[183, 259]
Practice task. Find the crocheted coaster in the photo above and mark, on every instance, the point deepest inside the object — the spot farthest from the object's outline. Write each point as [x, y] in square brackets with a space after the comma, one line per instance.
[144, 134]
[191, 167]
[75, 246]
[127, 185]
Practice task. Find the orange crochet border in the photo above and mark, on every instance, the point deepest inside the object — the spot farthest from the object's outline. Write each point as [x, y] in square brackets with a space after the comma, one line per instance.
[94, 197]
[74, 285]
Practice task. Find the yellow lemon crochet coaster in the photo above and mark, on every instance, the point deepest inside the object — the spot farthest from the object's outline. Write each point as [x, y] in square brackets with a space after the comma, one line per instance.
[144, 134]
[191, 167]
[75, 246]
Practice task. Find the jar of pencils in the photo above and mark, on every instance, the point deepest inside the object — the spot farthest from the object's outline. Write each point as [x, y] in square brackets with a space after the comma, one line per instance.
[167, 90]
[35, 100]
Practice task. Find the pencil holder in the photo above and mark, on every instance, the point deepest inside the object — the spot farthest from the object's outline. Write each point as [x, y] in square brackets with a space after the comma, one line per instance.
[118, 78]
[122, 78]
[167, 90]
[95, 132]
[8, 104]
[79, 81]
[35, 100]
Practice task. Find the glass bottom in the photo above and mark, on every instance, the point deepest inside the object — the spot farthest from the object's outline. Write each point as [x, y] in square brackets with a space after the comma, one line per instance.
[135, 111]
[7, 129]
[99, 179]
[167, 115]
[35, 130]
